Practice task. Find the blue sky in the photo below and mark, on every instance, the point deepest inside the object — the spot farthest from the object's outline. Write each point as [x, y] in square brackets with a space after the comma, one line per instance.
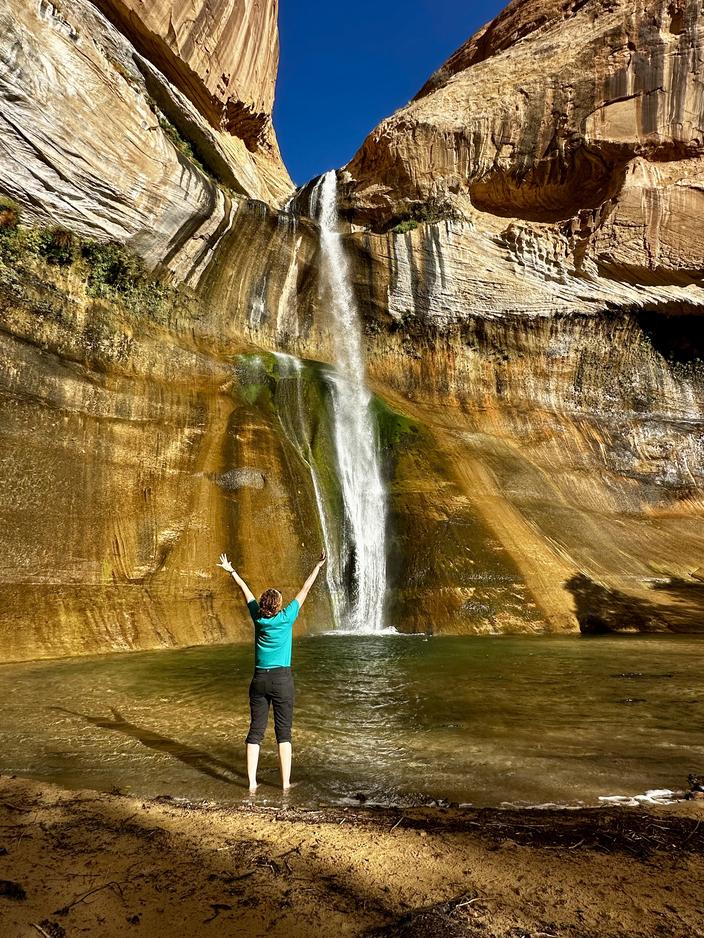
[344, 67]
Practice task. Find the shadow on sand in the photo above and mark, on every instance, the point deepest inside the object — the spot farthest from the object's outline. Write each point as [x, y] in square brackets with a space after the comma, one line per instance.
[195, 758]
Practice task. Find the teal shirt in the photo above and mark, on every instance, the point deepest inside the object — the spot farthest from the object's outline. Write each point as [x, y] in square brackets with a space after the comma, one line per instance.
[272, 647]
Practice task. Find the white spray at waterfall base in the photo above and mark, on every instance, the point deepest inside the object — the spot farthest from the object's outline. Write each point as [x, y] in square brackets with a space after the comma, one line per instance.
[362, 560]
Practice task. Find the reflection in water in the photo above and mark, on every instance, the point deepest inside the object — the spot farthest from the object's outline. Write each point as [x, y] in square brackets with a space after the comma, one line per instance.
[389, 717]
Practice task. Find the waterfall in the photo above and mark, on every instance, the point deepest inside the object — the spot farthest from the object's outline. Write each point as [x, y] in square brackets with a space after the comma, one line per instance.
[362, 547]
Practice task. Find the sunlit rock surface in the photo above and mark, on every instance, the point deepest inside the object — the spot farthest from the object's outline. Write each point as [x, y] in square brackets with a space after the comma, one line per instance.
[575, 434]
[543, 116]
[103, 134]
[547, 319]
[223, 55]
[533, 329]
[134, 450]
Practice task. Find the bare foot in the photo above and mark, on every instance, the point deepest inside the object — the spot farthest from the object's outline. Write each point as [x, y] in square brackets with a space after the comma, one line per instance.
[253, 788]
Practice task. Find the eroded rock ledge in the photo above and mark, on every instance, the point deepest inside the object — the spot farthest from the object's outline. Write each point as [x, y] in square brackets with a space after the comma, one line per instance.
[585, 118]
[126, 136]
[222, 55]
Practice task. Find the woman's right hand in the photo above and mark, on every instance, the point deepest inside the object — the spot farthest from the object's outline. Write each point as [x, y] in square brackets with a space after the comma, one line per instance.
[225, 564]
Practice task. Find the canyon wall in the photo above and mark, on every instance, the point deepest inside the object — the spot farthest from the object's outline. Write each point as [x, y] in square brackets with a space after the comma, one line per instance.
[527, 256]
[129, 135]
[538, 266]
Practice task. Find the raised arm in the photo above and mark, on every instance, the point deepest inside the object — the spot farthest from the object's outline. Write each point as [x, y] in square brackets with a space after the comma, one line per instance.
[227, 566]
[303, 592]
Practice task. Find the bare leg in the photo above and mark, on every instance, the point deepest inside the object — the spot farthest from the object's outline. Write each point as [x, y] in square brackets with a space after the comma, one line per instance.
[285, 760]
[252, 762]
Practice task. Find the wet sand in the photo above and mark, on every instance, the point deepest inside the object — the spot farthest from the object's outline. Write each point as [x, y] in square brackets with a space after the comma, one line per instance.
[88, 863]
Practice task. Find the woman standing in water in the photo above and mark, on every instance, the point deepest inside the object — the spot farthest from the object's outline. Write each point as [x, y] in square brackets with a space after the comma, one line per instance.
[272, 682]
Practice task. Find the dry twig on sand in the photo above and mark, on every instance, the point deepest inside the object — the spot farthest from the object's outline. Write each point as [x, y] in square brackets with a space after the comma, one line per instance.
[64, 910]
[40, 929]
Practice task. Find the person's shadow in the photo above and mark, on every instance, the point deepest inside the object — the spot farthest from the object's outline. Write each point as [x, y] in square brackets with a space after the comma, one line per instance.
[196, 758]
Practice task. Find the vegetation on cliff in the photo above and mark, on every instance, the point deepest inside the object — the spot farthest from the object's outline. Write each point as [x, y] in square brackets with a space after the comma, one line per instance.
[109, 270]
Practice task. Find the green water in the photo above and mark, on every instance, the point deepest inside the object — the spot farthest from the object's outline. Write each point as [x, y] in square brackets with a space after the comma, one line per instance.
[396, 718]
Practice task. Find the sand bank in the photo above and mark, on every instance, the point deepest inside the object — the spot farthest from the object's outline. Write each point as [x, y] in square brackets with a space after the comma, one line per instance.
[89, 863]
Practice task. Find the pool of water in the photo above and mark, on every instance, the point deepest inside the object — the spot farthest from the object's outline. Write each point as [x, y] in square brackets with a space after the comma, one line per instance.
[393, 718]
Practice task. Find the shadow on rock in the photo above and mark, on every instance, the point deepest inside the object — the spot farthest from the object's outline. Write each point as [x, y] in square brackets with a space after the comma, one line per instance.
[601, 610]
[686, 614]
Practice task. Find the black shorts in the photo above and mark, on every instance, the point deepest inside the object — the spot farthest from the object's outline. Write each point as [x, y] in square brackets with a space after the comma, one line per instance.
[271, 686]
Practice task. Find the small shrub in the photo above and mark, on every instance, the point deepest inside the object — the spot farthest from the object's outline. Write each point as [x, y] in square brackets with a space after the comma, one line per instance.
[181, 144]
[8, 244]
[60, 247]
[426, 213]
[404, 226]
[18, 243]
[113, 270]
[111, 266]
[32, 240]
[175, 137]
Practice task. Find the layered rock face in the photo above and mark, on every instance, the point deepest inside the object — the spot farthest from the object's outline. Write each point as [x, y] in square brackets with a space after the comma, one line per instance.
[556, 309]
[527, 258]
[135, 448]
[222, 55]
[544, 114]
[135, 136]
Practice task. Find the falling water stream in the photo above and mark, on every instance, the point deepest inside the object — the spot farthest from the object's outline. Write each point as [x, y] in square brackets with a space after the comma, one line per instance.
[359, 570]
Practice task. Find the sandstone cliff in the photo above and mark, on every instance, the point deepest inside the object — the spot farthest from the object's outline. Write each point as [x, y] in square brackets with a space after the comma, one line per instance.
[527, 258]
[222, 55]
[542, 275]
[120, 132]
[547, 116]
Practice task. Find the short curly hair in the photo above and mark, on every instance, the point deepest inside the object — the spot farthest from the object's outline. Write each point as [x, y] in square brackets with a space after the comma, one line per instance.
[270, 602]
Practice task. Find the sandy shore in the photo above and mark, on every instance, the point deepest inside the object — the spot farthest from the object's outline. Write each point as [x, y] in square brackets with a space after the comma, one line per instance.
[87, 863]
